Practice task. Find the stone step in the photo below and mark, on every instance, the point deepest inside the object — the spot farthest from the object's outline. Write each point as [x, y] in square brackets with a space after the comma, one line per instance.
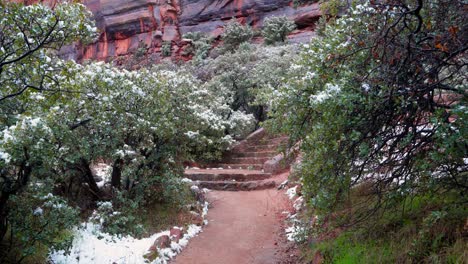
[247, 160]
[225, 175]
[257, 148]
[237, 186]
[255, 154]
[239, 166]
[274, 141]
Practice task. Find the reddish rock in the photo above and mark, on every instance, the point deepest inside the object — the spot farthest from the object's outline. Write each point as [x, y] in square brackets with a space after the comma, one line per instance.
[196, 219]
[161, 242]
[123, 24]
[176, 234]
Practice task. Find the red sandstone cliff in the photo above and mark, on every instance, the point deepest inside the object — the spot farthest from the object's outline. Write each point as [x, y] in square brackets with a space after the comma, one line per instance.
[126, 24]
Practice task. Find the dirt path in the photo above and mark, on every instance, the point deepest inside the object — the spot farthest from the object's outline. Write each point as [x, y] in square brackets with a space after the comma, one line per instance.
[244, 227]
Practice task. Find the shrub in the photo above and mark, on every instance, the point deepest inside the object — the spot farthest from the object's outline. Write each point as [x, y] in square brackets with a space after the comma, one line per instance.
[276, 29]
[370, 106]
[166, 49]
[39, 221]
[235, 34]
[201, 45]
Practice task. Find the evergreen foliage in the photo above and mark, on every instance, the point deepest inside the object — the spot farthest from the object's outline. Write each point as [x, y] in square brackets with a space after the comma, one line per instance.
[235, 34]
[379, 100]
[276, 29]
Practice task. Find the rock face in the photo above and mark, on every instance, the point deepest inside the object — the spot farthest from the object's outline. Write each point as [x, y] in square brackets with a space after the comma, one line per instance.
[127, 25]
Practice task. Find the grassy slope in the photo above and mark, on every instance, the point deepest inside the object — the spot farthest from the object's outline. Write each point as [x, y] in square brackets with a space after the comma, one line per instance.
[428, 230]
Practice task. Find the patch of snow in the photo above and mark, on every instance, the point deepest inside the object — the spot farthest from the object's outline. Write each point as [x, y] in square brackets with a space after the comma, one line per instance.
[298, 203]
[38, 211]
[205, 209]
[297, 231]
[91, 245]
[294, 233]
[186, 180]
[103, 171]
[5, 156]
[167, 254]
[291, 192]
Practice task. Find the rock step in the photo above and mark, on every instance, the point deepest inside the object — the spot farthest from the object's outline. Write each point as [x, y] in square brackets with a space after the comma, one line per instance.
[236, 186]
[225, 175]
[257, 148]
[239, 166]
[274, 141]
[254, 154]
[247, 160]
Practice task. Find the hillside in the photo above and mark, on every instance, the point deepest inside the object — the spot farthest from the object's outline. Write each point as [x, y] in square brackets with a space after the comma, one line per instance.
[126, 25]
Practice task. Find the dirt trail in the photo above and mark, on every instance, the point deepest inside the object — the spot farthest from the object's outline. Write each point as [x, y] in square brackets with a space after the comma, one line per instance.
[244, 227]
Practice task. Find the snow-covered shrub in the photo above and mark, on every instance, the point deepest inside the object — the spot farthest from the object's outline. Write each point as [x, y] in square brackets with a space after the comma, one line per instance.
[276, 29]
[366, 103]
[38, 220]
[201, 45]
[245, 76]
[119, 221]
[235, 34]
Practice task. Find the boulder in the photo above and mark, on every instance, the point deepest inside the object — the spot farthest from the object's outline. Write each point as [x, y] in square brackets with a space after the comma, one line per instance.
[275, 165]
[163, 241]
[176, 234]
[196, 218]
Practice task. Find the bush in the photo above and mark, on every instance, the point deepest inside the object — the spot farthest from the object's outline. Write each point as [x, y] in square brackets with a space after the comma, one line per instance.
[371, 107]
[62, 117]
[39, 221]
[201, 45]
[235, 34]
[276, 29]
[362, 111]
[166, 49]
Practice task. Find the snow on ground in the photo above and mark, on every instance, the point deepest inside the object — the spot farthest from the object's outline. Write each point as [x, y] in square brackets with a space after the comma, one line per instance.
[103, 171]
[296, 231]
[291, 192]
[91, 246]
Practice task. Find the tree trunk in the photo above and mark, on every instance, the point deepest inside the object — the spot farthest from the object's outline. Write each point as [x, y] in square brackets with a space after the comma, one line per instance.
[3, 215]
[117, 173]
[89, 178]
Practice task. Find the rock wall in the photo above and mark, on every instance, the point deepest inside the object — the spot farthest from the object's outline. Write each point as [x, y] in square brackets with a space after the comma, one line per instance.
[127, 25]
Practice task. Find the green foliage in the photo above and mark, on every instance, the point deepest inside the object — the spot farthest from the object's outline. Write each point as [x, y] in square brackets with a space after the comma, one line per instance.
[356, 129]
[58, 118]
[235, 34]
[372, 108]
[276, 29]
[297, 3]
[141, 50]
[30, 31]
[332, 7]
[122, 220]
[38, 221]
[201, 45]
[30, 35]
[241, 75]
[166, 49]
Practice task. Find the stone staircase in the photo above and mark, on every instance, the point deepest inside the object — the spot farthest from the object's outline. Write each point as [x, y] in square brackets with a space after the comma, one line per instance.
[248, 166]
